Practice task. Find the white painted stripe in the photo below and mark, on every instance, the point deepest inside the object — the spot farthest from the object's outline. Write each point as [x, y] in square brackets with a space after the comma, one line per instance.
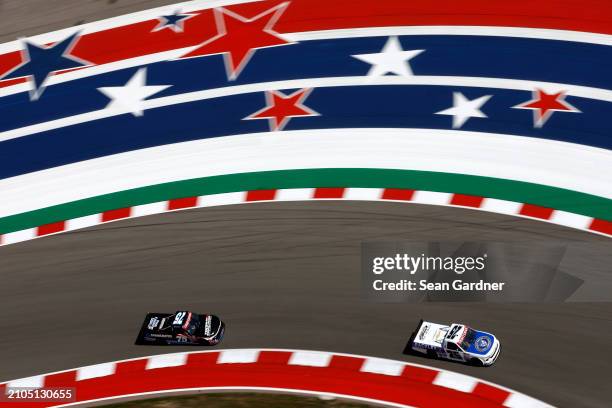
[19, 236]
[57, 124]
[383, 366]
[294, 194]
[166, 360]
[310, 358]
[486, 31]
[95, 371]
[36, 381]
[501, 206]
[83, 222]
[149, 209]
[367, 194]
[545, 162]
[221, 199]
[431, 197]
[150, 14]
[516, 400]
[570, 219]
[500, 83]
[441, 80]
[120, 21]
[455, 381]
[238, 356]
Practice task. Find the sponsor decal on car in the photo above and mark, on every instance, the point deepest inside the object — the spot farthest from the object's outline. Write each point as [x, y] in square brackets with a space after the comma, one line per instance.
[168, 336]
[463, 334]
[208, 326]
[482, 343]
[424, 332]
[153, 323]
[187, 321]
[455, 331]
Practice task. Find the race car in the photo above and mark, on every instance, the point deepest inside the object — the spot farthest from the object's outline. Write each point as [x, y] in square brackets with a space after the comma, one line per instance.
[456, 342]
[182, 328]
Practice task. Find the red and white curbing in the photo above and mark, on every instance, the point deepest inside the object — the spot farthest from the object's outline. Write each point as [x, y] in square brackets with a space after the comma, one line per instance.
[564, 218]
[382, 381]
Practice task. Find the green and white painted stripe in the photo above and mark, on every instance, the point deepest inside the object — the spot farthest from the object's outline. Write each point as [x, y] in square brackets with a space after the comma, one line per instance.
[508, 174]
[487, 194]
[559, 165]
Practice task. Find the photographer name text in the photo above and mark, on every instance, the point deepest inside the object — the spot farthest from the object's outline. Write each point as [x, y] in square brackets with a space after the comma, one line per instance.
[413, 265]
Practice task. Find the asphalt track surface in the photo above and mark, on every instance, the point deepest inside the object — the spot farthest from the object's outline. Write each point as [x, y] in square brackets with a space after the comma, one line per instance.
[281, 275]
[20, 18]
[284, 275]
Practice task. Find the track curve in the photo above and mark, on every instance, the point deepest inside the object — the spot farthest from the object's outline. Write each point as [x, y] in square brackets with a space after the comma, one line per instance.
[375, 380]
[287, 276]
[281, 275]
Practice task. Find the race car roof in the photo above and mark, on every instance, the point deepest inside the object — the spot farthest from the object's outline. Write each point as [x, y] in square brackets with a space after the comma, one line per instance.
[182, 318]
[456, 333]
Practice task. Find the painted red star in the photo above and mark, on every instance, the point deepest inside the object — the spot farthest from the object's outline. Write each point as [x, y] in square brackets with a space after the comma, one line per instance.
[544, 105]
[238, 37]
[280, 108]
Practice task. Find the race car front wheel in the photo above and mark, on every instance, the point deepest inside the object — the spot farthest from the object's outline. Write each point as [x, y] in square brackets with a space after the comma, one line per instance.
[476, 362]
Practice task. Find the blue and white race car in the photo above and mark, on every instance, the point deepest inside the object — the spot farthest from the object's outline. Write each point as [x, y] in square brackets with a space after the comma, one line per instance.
[456, 342]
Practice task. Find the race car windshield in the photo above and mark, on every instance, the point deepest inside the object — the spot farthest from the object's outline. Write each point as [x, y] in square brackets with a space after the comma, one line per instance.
[193, 325]
[470, 336]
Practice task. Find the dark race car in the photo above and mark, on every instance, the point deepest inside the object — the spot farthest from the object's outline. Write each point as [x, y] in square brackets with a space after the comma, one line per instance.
[181, 328]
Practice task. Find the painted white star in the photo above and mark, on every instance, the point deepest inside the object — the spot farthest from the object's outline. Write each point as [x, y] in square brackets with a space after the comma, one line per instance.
[130, 97]
[392, 59]
[463, 109]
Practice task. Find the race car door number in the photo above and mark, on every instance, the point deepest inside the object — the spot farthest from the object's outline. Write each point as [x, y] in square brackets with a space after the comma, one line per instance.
[178, 319]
